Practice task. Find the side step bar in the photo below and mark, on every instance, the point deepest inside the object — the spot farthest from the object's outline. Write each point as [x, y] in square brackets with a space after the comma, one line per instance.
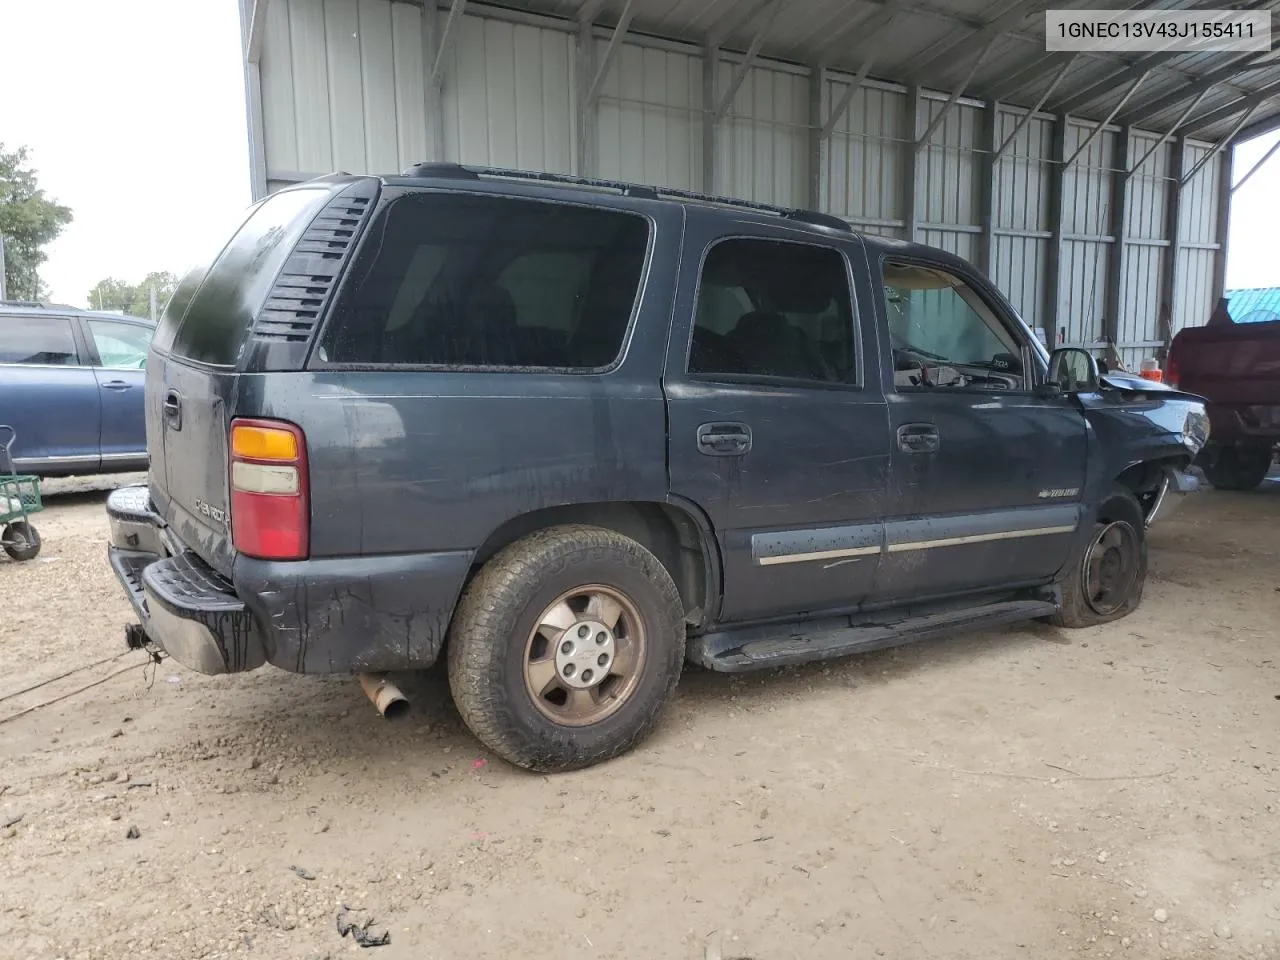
[757, 648]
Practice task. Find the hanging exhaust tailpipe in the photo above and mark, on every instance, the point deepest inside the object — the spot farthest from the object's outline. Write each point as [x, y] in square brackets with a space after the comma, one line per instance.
[386, 696]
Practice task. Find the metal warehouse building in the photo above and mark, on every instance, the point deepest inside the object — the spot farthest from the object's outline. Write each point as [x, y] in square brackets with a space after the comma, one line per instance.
[1094, 188]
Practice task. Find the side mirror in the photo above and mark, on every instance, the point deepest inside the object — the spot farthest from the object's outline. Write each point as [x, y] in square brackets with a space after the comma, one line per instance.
[1073, 370]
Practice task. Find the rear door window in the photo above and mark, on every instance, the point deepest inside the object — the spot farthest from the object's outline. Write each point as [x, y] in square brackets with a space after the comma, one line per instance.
[475, 281]
[120, 344]
[47, 341]
[210, 314]
[773, 309]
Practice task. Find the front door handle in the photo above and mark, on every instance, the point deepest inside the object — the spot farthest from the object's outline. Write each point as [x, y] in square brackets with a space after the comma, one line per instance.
[918, 438]
[116, 385]
[724, 439]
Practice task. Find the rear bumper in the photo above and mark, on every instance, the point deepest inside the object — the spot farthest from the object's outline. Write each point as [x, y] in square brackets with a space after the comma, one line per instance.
[329, 615]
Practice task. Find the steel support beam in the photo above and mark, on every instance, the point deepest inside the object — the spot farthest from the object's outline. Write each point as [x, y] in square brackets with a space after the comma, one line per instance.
[1250, 103]
[1118, 219]
[1256, 167]
[252, 29]
[1107, 86]
[817, 142]
[846, 98]
[710, 61]
[957, 49]
[955, 95]
[1224, 222]
[610, 53]
[987, 185]
[257, 27]
[584, 51]
[1053, 259]
[748, 61]
[1026, 117]
[1167, 134]
[433, 102]
[447, 36]
[1221, 145]
[1111, 116]
[910, 156]
[1154, 106]
[844, 44]
[1168, 304]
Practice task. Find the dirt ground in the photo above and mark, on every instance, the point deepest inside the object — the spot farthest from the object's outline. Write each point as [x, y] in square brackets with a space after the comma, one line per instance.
[1025, 793]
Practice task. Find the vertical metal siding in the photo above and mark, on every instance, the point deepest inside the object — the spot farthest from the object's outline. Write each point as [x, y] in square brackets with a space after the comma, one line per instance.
[1198, 214]
[313, 105]
[947, 176]
[1020, 212]
[407, 62]
[650, 124]
[342, 86]
[864, 157]
[1086, 217]
[1148, 189]
[764, 153]
[509, 96]
[1017, 268]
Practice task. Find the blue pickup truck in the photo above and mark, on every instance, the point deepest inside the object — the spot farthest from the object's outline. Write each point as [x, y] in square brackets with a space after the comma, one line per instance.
[71, 386]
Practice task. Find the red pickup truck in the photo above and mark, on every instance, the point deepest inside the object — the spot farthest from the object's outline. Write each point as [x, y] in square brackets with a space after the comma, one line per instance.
[1236, 367]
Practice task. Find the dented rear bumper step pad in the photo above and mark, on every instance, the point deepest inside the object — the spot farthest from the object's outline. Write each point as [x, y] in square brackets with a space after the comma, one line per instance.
[323, 615]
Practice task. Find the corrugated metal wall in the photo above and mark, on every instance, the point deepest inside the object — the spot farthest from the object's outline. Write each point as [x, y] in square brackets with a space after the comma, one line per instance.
[343, 86]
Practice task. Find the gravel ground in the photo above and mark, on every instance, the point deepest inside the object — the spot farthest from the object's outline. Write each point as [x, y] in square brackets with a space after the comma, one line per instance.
[1021, 793]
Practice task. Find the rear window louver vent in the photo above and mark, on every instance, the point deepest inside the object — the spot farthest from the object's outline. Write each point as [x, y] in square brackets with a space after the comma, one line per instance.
[297, 299]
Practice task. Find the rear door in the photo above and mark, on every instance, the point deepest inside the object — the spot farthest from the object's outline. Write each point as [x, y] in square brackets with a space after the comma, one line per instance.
[119, 352]
[192, 377]
[48, 394]
[776, 430]
[987, 476]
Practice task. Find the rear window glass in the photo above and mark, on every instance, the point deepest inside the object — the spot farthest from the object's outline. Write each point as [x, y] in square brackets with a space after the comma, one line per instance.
[38, 340]
[213, 310]
[490, 281]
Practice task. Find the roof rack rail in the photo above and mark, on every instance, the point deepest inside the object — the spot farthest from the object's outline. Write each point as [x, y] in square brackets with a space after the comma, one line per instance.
[458, 171]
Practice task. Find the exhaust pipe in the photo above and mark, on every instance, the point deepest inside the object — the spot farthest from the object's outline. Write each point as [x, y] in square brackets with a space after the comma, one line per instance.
[386, 696]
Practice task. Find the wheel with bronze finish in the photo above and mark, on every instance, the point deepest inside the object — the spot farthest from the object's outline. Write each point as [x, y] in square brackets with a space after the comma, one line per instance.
[565, 648]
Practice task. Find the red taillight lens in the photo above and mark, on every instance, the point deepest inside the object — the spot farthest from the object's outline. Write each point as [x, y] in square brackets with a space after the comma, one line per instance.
[270, 505]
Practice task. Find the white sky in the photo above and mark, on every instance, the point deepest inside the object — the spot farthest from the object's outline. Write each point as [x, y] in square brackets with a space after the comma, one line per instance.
[134, 112]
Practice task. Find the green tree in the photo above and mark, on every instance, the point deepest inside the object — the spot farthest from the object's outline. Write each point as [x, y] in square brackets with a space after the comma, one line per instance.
[133, 298]
[29, 221]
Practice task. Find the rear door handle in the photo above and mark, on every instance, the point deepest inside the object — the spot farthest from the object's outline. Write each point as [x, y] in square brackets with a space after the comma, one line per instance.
[173, 409]
[724, 439]
[918, 438]
[116, 385]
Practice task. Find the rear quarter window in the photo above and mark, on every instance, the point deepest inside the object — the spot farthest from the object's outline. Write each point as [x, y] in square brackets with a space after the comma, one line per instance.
[480, 281]
[209, 316]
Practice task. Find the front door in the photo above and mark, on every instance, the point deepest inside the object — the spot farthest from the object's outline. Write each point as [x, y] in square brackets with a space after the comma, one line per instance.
[987, 476]
[776, 429]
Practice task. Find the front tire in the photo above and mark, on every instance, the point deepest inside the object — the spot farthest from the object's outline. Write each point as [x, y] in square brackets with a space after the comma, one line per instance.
[565, 648]
[1239, 468]
[1106, 578]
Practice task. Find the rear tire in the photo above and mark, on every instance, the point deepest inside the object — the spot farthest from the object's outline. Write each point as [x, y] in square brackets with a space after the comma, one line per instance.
[565, 648]
[21, 540]
[1106, 578]
[1239, 468]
